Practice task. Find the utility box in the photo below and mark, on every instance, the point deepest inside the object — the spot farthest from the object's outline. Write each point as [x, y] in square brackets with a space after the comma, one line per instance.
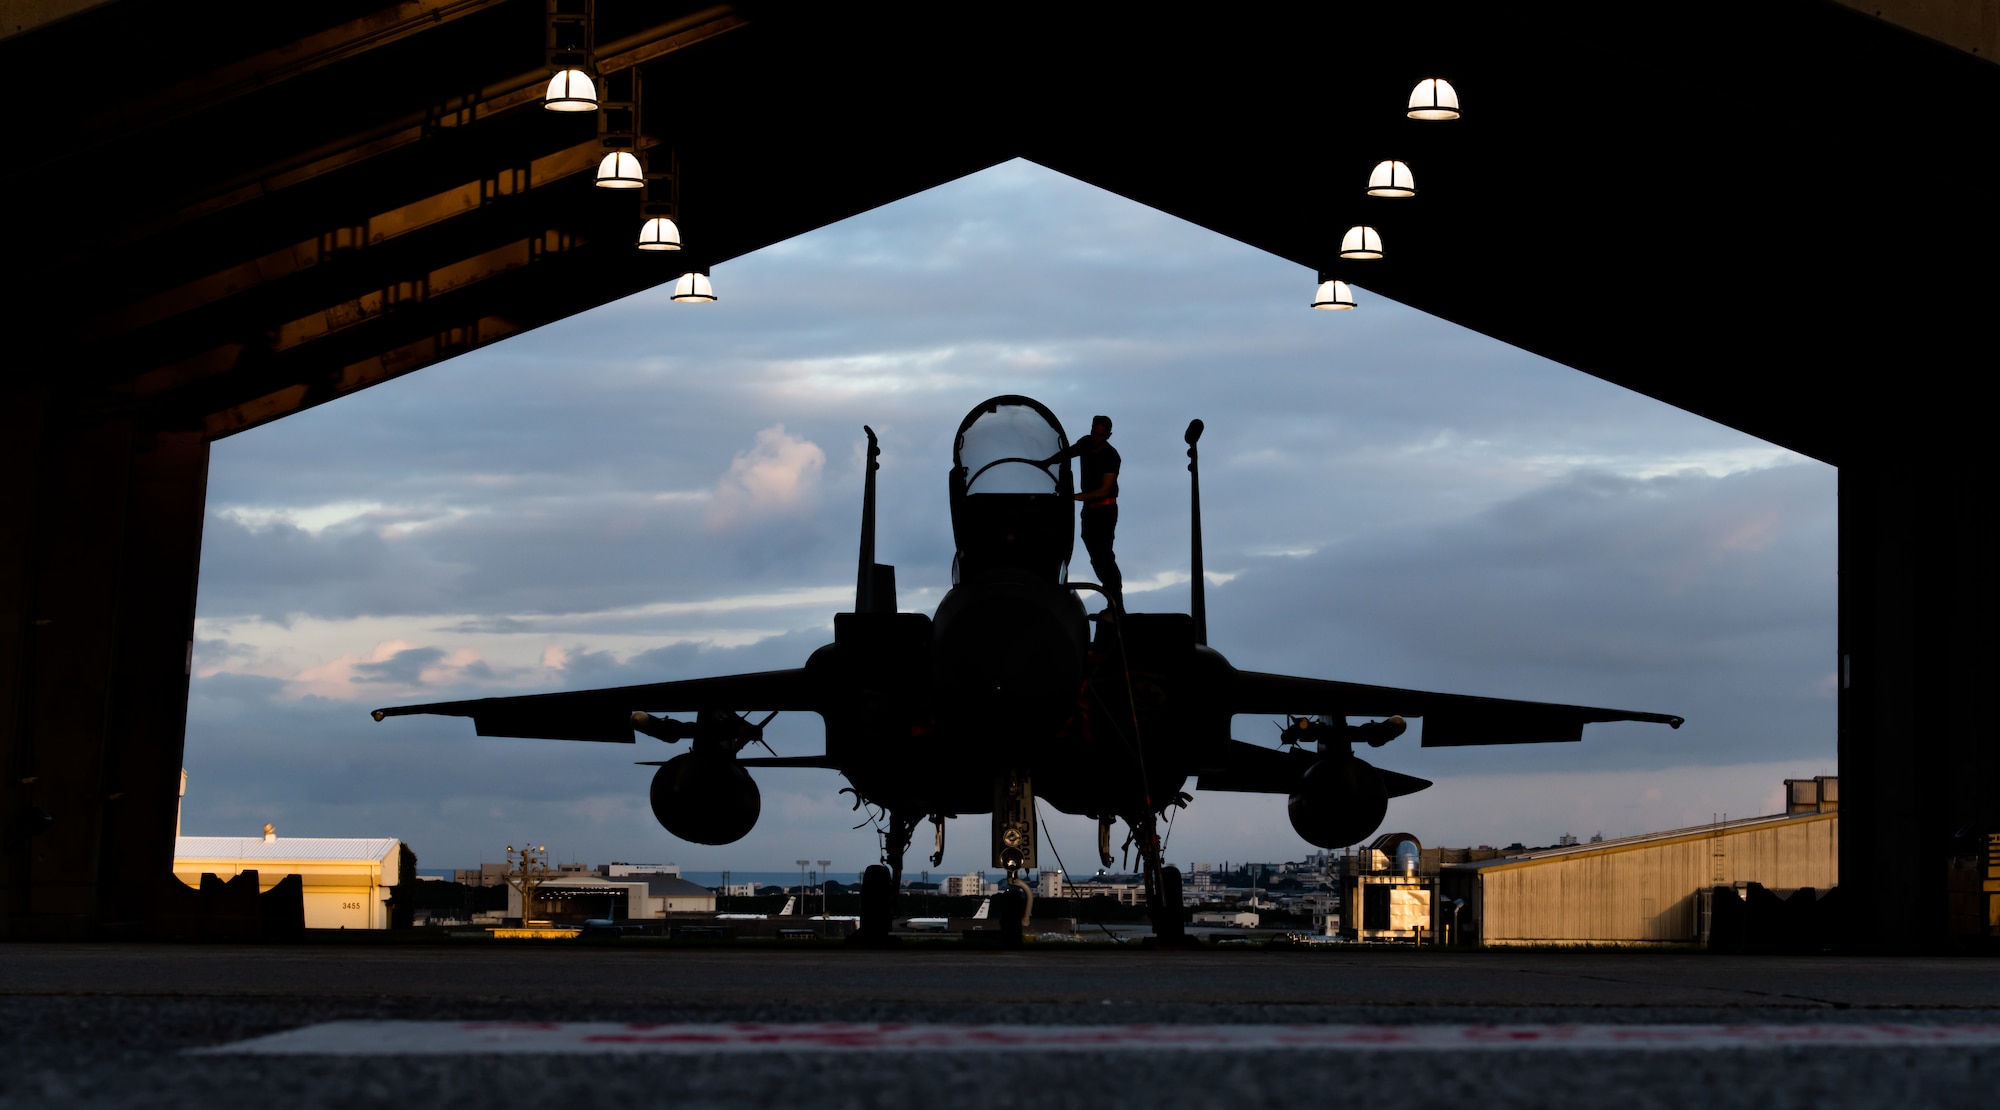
[1390, 907]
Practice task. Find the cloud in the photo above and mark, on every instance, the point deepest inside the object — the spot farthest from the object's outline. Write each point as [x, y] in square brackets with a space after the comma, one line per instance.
[405, 667]
[778, 475]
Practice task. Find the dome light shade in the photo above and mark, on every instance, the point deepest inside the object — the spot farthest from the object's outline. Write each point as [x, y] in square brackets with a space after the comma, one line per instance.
[659, 234]
[571, 90]
[1361, 242]
[693, 288]
[1334, 296]
[1434, 98]
[621, 170]
[1391, 179]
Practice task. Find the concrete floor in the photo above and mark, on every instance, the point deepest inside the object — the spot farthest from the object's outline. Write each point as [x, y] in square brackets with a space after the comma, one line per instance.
[91, 1025]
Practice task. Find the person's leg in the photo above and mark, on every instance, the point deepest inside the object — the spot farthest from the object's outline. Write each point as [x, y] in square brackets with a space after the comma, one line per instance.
[1100, 526]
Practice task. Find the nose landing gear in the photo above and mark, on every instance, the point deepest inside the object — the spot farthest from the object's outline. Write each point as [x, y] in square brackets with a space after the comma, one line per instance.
[1014, 850]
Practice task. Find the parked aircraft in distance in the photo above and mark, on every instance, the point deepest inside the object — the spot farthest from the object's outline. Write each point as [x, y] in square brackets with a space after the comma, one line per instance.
[940, 924]
[1005, 696]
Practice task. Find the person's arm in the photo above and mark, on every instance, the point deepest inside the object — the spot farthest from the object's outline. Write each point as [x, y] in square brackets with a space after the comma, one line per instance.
[1103, 489]
[1087, 443]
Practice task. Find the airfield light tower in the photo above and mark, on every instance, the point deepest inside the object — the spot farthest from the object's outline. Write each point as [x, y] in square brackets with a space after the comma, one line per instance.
[525, 874]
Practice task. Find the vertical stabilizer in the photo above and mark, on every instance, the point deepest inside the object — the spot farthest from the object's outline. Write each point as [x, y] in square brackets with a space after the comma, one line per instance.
[1198, 585]
[874, 585]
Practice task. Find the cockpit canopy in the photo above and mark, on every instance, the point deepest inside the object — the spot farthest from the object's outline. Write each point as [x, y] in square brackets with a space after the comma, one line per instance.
[1009, 512]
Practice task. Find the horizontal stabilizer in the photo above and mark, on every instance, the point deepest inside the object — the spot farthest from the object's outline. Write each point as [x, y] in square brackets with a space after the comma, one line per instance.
[1399, 785]
[1249, 769]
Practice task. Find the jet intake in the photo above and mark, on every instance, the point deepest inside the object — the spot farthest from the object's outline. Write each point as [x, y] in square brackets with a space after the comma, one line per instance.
[705, 798]
[1339, 802]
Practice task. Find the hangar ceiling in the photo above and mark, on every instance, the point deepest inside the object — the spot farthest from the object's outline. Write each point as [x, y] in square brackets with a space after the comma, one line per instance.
[227, 217]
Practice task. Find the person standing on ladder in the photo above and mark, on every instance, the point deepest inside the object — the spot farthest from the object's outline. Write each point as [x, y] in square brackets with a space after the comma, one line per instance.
[1100, 503]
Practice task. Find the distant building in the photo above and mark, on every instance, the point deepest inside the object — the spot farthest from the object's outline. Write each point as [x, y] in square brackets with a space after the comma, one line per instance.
[1049, 884]
[486, 874]
[619, 870]
[1324, 909]
[347, 881]
[638, 897]
[1128, 890]
[970, 884]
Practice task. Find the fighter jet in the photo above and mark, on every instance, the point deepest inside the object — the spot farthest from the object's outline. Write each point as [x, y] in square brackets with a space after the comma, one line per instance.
[1007, 695]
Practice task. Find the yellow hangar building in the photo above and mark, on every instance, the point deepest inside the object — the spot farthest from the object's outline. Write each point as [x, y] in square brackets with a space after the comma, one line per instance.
[347, 880]
[1656, 888]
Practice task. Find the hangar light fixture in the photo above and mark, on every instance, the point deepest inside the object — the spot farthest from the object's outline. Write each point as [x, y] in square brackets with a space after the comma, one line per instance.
[571, 90]
[1333, 295]
[1434, 98]
[1391, 179]
[1361, 242]
[693, 288]
[659, 234]
[621, 170]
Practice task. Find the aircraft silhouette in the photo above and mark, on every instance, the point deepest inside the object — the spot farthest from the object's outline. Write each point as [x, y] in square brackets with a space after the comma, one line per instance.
[1004, 696]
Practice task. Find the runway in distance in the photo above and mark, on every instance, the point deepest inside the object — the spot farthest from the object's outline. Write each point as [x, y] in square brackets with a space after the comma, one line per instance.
[1005, 696]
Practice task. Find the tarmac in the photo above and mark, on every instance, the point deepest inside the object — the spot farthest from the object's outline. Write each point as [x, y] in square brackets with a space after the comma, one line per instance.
[127, 1024]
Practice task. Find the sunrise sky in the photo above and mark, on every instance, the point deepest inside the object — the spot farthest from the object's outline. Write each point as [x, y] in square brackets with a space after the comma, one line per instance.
[651, 491]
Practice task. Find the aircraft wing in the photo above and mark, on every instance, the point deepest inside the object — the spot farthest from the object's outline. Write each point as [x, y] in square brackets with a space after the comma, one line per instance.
[1247, 768]
[606, 715]
[1450, 720]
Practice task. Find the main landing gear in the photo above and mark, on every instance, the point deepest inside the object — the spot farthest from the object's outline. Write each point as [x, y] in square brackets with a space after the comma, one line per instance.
[1163, 889]
[882, 882]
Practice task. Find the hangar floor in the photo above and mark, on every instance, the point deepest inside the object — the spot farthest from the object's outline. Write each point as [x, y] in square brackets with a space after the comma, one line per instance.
[87, 1025]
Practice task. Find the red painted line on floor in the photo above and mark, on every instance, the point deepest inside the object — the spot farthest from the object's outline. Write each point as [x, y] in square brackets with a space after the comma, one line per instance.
[444, 1038]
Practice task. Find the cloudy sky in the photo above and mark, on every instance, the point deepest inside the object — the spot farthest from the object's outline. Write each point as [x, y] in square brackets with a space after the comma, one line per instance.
[652, 491]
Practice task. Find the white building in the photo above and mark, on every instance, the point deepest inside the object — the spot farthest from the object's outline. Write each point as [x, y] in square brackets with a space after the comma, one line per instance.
[969, 884]
[1128, 894]
[641, 896]
[347, 881]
